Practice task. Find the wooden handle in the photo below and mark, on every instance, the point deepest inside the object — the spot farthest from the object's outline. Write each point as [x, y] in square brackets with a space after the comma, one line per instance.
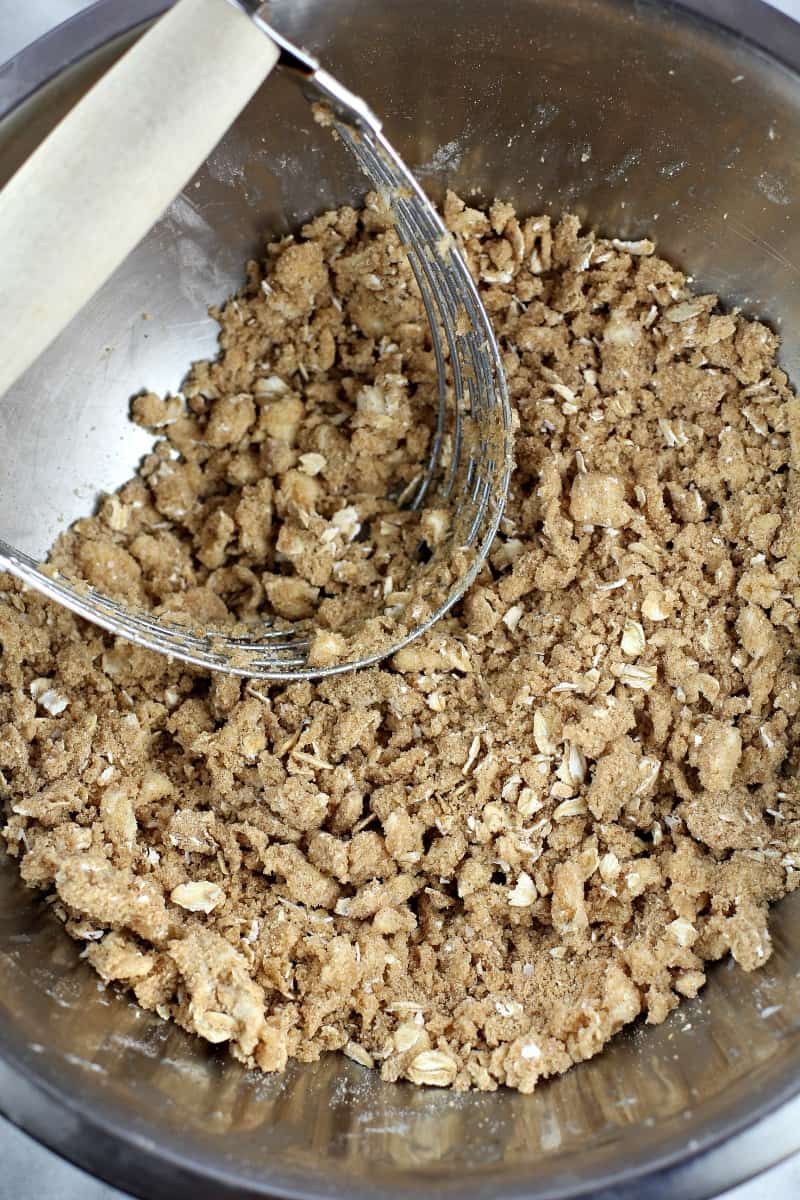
[105, 174]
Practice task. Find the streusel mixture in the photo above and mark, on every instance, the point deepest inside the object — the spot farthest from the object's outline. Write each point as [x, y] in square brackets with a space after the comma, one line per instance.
[475, 864]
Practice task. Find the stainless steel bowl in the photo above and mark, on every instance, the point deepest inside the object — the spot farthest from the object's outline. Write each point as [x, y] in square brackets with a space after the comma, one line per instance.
[642, 117]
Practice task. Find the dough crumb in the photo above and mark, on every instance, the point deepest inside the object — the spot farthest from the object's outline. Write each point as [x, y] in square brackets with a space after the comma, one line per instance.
[473, 865]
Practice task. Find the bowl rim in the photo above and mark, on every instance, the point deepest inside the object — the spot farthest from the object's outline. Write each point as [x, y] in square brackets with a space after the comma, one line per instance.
[752, 1138]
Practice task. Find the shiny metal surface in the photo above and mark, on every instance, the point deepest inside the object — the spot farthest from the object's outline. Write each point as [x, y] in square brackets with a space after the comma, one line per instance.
[675, 117]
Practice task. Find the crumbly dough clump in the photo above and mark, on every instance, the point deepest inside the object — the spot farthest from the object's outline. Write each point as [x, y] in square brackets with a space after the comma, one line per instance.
[277, 485]
[475, 864]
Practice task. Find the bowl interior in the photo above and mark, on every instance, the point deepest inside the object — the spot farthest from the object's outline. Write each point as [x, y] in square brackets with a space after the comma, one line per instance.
[644, 120]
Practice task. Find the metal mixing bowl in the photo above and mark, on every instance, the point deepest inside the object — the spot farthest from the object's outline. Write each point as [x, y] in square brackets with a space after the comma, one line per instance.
[645, 119]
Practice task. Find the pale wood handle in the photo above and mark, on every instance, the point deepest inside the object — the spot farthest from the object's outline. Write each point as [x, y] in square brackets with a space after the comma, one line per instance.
[105, 174]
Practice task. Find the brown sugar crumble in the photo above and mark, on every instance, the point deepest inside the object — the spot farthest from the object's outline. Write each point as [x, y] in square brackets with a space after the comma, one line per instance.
[277, 485]
[474, 864]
